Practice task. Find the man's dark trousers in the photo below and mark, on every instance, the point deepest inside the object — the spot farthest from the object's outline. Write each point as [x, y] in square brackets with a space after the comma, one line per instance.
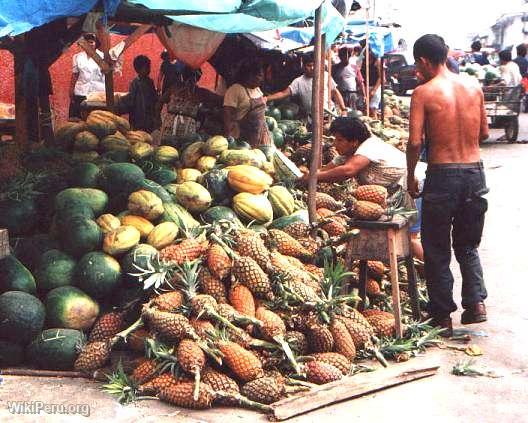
[453, 203]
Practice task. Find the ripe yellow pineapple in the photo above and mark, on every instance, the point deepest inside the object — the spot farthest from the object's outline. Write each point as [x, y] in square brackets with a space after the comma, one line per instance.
[376, 268]
[187, 250]
[359, 328]
[157, 383]
[323, 200]
[249, 244]
[168, 301]
[366, 210]
[298, 230]
[243, 363]
[372, 193]
[373, 288]
[383, 322]
[249, 273]
[192, 360]
[202, 327]
[172, 326]
[220, 382]
[93, 356]
[107, 326]
[218, 261]
[321, 373]
[336, 224]
[286, 244]
[344, 344]
[335, 359]
[265, 390]
[182, 395]
[241, 298]
[144, 371]
[213, 286]
[320, 338]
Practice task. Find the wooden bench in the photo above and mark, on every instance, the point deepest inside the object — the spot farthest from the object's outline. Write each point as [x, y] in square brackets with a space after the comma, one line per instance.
[386, 242]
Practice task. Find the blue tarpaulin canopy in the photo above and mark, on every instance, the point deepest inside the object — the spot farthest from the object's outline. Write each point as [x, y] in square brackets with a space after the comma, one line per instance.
[19, 16]
[380, 38]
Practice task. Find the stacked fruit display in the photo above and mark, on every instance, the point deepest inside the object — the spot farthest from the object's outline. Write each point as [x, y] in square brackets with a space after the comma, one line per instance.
[148, 251]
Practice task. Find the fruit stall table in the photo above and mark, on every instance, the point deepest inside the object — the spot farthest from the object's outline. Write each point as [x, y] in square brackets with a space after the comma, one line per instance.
[385, 241]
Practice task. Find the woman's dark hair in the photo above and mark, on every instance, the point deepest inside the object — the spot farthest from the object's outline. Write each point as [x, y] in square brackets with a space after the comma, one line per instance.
[165, 56]
[248, 69]
[431, 47]
[505, 55]
[521, 50]
[476, 45]
[140, 62]
[91, 37]
[353, 129]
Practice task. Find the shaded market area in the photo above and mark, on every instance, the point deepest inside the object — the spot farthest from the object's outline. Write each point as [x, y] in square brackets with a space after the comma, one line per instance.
[180, 237]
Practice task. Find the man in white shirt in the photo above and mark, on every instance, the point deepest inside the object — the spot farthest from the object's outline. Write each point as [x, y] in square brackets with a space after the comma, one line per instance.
[510, 73]
[87, 77]
[301, 88]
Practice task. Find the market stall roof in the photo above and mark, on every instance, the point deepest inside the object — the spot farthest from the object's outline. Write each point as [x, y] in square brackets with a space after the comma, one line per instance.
[19, 16]
[380, 38]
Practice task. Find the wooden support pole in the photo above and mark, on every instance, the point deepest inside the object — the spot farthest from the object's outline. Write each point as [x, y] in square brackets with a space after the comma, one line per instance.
[322, 104]
[21, 128]
[382, 76]
[395, 287]
[104, 37]
[316, 118]
[132, 38]
[367, 60]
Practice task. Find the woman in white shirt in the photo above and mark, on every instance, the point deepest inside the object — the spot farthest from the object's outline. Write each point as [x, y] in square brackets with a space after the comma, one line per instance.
[87, 77]
[371, 161]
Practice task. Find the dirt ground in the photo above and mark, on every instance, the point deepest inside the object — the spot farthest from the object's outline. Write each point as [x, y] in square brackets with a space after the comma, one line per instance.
[442, 398]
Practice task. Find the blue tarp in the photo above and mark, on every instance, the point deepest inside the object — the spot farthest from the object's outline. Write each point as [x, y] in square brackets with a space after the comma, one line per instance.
[249, 16]
[19, 16]
[380, 38]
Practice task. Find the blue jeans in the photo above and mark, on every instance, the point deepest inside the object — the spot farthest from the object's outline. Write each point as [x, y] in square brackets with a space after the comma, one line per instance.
[453, 203]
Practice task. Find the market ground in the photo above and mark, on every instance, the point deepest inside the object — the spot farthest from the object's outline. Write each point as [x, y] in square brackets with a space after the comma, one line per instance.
[442, 398]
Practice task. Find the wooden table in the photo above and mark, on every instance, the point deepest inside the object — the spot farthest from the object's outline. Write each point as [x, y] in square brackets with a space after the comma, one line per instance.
[386, 242]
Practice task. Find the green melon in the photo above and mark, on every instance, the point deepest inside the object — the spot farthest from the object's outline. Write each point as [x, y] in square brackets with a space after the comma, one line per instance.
[139, 256]
[11, 354]
[72, 209]
[29, 249]
[21, 316]
[95, 198]
[55, 269]
[155, 188]
[120, 177]
[80, 235]
[14, 276]
[69, 307]
[85, 175]
[98, 274]
[55, 349]
[163, 176]
[216, 213]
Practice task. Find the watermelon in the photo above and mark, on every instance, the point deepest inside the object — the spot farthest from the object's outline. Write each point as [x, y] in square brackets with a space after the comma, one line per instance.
[97, 274]
[85, 175]
[95, 198]
[154, 187]
[216, 183]
[55, 349]
[271, 122]
[163, 176]
[275, 113]
[29, 249]
[139, 256]
[14, 276]
[69, 307]
[282, 222]
[21, 316]
[217, 213]
[80, 235]
[278, 138]
[55, 269]
[120, 177]
[11, 354]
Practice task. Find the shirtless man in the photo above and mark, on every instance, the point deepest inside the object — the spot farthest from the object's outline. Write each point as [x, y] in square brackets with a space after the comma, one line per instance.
[450, 109]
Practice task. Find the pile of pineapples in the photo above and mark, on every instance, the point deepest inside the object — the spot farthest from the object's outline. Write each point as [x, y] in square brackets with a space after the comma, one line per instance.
[240, 318]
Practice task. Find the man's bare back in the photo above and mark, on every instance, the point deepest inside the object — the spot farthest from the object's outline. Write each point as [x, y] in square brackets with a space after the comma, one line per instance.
[449, 109]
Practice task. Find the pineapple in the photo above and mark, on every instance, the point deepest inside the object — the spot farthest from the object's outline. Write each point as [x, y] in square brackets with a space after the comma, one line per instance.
[249, 273]
[297, 341]
[376, 268]
[344, 344]
[335, 359]
[172, 326]
[182, 395]
[241, 298]
[298, 230]
[373, 288]
[144, 371]
[157, 383]
[321, 373]
[265, 390]
[229, 313]
[366, 210]
[273, 328]
[372, 193]
[202, 327]
[359, 328]
[136, 340]
[93, 356]
[286, 244]
[295, 262]
[213, 286]
[326, 201]
[187, 250]
[382, 322]
[168, 301]
[220, 382]
[320, 338]
[243, 363]
[335, 225]
[310, 244]
[218, 261]
[107, 326]
[192, 360]
[314, 270]
[250, 244]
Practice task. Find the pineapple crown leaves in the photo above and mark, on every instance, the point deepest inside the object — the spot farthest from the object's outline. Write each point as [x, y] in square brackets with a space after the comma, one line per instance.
[335, 276]
[121, 386]
[188, 276]
[163, 355]
[155, 273]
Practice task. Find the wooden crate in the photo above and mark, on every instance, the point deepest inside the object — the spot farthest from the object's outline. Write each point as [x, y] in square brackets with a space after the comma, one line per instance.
[4, 243]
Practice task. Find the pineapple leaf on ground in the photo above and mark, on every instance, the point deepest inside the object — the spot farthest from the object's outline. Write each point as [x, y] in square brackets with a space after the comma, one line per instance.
[467, 368]
[121, 386]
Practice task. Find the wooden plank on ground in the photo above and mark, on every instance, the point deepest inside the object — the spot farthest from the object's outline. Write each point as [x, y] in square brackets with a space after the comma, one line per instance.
[351, 387]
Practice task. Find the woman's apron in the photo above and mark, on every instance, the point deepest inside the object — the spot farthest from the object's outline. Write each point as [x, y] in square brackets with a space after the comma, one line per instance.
[253, 127]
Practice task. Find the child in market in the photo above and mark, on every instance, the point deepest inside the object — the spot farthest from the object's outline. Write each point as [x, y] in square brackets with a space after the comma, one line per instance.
[140, 102]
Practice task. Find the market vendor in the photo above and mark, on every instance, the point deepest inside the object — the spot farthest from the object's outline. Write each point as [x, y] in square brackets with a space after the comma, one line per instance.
[245, 107]
[301, 89]
[87, 77]
[184, 99]
[372, 161]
